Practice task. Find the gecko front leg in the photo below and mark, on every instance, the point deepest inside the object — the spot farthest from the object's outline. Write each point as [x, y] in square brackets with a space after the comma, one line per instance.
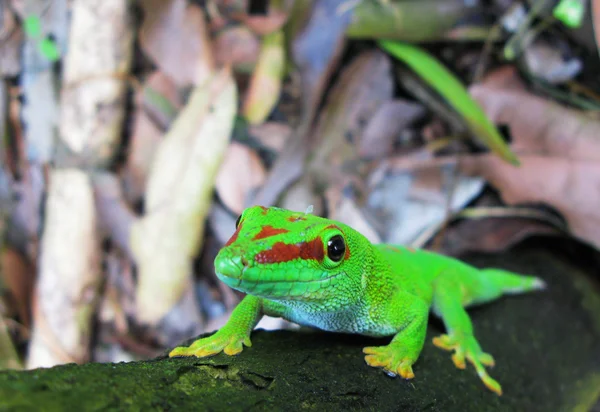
[232, 337]
[410, 316]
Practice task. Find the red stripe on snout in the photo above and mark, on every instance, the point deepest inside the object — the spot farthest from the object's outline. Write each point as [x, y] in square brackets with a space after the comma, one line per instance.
[268, 231]
[281, 252]
[234, 237]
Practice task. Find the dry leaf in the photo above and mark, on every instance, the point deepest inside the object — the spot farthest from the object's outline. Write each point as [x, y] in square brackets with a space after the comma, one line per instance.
[271, 135]
[385, 125]
[92, 110]
[237, 46]
[178, 196]
[560, 152]
[18, 278]
[11, 41]
[147, 133]
[241, 172]
[265, 85]
[316, 51]
[174, 36]
[9, 359]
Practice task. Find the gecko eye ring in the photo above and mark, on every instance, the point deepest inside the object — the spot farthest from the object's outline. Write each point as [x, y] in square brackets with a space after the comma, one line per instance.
[336, 248]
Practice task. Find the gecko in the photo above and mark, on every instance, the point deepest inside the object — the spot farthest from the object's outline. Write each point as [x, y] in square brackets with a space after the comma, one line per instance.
[322, 273]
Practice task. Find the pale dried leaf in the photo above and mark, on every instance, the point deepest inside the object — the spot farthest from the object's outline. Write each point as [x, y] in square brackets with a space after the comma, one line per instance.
[265, 85]
[93, 96]
[178, 196]
[11, 41]
[69, 272]
[9, 359]
[91, 124]
[174, 36]
[240, 173]
[415, 197]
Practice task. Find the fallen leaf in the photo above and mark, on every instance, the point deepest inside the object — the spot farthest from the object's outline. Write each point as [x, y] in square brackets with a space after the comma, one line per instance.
[11, 41]
[271, 135]
[265, 85]
[385, 125]
[449, 87]
[9, 359]
[236, 46]
[363, 87]
[149, 118]
[178, 196]
[414, 21]
[316, 50]
[417, 194]
[174, 36]
[560, 153]
[268, 24]
[18, 279]
[240, 173]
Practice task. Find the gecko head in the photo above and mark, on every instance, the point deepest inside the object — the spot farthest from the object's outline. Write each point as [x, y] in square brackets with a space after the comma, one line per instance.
[283, 255]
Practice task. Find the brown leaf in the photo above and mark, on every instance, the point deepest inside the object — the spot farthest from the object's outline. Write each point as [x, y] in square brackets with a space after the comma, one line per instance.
[385, 125]
[147, 133]
[241, 172]
[174, 36]
[560, 153]
[237, 46]
[271, 135]
[362, 88]
[316, 51]
[266, 24]
[18, 277]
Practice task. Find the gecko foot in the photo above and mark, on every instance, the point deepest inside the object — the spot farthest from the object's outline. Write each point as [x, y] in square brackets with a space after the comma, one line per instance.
[467, 347]
[393, 359]
[223, 340]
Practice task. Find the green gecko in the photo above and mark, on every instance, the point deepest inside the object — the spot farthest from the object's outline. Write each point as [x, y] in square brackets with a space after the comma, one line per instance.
[322, 273]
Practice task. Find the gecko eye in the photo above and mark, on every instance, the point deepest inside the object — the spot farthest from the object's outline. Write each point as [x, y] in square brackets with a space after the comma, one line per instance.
[336, 248]
[237, 222]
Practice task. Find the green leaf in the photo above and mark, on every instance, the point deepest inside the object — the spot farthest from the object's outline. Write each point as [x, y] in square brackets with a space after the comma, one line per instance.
[49, 50]
[32, 26]
[570, 12]
[455, 93]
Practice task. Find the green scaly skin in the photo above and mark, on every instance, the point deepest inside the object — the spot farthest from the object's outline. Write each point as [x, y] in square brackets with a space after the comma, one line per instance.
[283, 261]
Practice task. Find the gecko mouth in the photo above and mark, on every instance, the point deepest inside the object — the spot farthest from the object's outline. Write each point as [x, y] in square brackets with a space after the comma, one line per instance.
[258, 282]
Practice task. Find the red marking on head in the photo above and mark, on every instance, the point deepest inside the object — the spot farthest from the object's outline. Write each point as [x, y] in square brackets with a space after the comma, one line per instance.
[333, 227]
[268, 231]
[281, 252]
[234, 237]
[295, 218]
[347, 254]
[264, 210]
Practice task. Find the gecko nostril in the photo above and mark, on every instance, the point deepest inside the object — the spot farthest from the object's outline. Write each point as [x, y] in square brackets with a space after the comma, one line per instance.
[244, 261]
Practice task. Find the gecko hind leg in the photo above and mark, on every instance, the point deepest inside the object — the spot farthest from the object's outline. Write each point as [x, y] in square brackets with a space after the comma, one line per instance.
[447, 303]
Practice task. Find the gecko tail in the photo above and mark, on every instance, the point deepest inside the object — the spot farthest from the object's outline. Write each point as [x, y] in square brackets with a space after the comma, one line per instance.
[511, 283]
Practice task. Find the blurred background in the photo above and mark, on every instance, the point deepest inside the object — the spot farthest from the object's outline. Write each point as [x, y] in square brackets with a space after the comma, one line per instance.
[135, 132]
